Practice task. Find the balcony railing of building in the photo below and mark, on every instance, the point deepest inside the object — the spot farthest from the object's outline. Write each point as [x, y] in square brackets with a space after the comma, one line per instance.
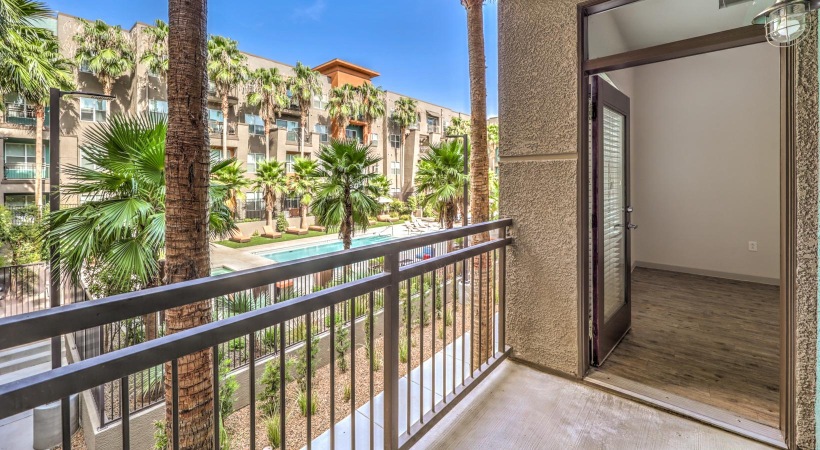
[430, 307]
[215, 128]
[18, 114]
[24, 289]
[22, 171]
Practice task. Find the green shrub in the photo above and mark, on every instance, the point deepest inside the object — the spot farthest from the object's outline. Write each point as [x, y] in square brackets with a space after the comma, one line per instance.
[404, 217]
[227, 388]
[270, 337]
[342, 345]
[301, 362]
[273, 431]
[368, 350]
[302, 400]
[237, 344]
[160, 436]
[269, 395]
[346, 394]
[224, 437]
[281, 223]
[403, 350]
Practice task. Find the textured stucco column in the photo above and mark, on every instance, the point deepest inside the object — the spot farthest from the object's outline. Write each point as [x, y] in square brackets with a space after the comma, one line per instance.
[806, 151]
[538, 178]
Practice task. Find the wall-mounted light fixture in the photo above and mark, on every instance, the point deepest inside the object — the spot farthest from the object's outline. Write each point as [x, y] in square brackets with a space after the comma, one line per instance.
[785, 21]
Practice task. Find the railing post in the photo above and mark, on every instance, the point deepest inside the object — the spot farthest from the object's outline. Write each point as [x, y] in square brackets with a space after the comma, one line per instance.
[502, 293]
[391, 353]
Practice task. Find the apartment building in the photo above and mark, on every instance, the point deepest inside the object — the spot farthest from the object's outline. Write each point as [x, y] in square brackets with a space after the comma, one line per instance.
[142, 92]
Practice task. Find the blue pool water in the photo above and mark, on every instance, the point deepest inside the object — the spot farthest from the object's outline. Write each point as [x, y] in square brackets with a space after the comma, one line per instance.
[221, 270]
[321, 249]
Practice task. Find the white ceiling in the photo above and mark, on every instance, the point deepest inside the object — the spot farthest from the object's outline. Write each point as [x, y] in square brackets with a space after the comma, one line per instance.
[652, 22]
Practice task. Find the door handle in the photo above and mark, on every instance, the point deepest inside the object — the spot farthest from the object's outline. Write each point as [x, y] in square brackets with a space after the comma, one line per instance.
[632, 226]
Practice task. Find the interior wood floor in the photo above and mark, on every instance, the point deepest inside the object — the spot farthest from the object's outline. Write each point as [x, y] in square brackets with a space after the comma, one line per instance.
[707, 339]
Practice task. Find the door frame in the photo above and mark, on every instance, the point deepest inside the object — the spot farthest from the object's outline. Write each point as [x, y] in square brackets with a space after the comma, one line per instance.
[788, 183]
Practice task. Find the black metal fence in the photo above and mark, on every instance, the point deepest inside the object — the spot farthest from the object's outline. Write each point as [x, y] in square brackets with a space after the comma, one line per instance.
[425, 304]
[24, 289]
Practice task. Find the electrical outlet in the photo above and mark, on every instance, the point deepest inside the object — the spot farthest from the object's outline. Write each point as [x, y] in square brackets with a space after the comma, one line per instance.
[752, 246]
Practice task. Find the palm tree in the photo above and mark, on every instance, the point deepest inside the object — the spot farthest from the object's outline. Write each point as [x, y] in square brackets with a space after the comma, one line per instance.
[382, 185]
[345, 195]
[270, 94]
[231, 175]
[17, 15]
[105, 50]
[479, 159]
[38, 67]
[187, 250]
[270, 180]
[458, 126]
[121, 230]
[156, 55]
[441, 179]
[226, 70]
[372, 104]
[304, 85]
[404, 116]
[342, 105]
[302, 183]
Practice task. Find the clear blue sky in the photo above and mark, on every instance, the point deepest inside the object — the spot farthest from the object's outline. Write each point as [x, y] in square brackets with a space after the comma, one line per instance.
[418, 46]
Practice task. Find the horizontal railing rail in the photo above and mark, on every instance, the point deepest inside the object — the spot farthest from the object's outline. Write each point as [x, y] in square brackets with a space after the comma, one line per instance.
[443, 310]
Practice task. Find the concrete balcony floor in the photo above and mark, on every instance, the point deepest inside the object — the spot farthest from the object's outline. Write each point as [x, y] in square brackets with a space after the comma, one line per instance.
[518, 407]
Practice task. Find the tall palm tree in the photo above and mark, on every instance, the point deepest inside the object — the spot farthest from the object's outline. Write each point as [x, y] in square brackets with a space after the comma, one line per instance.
[341, 106]
[302, 183]
[106, 51]
[38, 67]
[231, 175]
[271, 180]
[479, 159]
[156, 55]
[405, 114]
[121, 230]
[382, 185]
[16, 15]
[227, 69]
[458, 126]
[440, 179]
[304, 85]
[187, 251]
[345, 196]
[270, 94]
[372, 104]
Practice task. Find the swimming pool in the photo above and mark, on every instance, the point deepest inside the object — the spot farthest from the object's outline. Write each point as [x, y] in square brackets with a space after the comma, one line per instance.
[321, 249]
[221, 270]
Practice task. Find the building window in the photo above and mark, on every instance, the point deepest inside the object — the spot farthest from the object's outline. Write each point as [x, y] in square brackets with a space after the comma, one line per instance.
[158, 106]
[84, 67]
[19, 161]
[256, 126]
[93, 110]
[215, 118]
[292, 203]
[216, 155]
[353, 134]
[395, 141]
[374, 138]
[291, 126]
[321, 130]
[432, 124]
[320, 101]
[18, 110]
[253, 160]
[254, 203]
[395, 167]
[289, 160]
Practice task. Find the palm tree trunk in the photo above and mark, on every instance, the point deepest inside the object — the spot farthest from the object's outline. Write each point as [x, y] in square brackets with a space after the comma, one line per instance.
[347, 224]
[225, 126]
[304, 122]
[107, 85]
[187, 168]
[39, 119]
[480, 194]
[270, 205]
[302, 215]
[267, 137]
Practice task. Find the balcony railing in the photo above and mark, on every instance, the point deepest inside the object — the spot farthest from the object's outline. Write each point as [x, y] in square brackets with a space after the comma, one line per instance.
[215, 127]
[23, 289]
[22, 171]
[22, 115]
[430, 307]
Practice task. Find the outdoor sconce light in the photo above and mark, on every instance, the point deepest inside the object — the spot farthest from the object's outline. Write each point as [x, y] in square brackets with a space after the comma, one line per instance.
[785, 21]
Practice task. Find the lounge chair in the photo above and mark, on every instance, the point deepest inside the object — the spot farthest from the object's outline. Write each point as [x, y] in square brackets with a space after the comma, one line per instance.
[422, 225]
[296, 231]
[270, 233]
[317, 228]
[238, 237]
[412, 228]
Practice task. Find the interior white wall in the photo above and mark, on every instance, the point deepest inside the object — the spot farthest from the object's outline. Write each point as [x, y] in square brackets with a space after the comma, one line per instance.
[705, 163]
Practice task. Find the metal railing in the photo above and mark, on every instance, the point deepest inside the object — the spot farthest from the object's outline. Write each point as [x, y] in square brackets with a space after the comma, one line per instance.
[24, 289]
[23, 171]
[215, 127]
[416, 282]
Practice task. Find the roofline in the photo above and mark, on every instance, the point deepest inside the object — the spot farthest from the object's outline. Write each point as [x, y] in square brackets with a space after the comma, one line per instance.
[346, 64]
[432, 104]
